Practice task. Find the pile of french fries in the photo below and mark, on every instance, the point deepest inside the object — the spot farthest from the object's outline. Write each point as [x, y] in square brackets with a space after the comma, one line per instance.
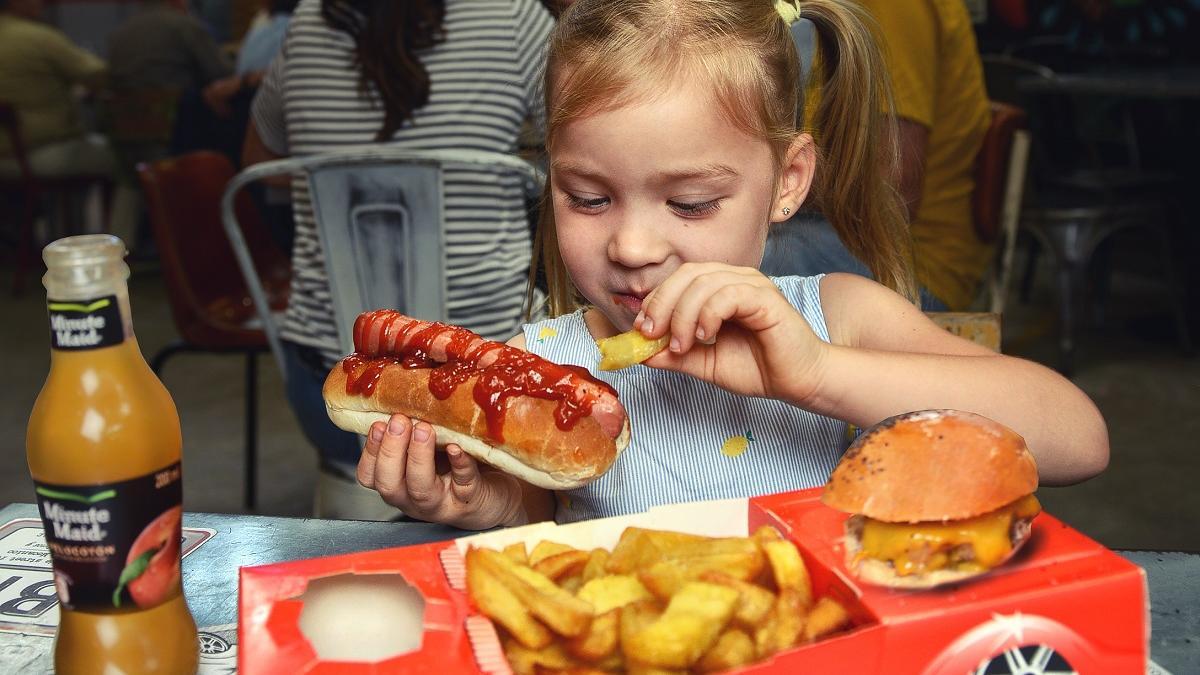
[660, 602]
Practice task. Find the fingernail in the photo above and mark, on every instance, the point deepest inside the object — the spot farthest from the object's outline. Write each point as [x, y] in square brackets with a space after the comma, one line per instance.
[376, 433]
[699, 333]
[647, 324]
[421, 432]
[674, 344]
[637, 320]
[396, 426]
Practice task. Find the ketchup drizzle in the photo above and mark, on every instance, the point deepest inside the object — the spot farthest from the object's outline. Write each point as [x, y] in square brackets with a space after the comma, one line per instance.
[510, 373]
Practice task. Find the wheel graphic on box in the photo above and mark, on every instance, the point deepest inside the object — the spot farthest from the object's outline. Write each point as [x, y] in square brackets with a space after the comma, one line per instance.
[1027, 660]
[1016, 644]
[213, 644]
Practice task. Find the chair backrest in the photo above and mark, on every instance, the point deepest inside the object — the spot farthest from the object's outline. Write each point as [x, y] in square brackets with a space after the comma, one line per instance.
[991, 169]
[382, 230]
[379, 214]
[204, 284]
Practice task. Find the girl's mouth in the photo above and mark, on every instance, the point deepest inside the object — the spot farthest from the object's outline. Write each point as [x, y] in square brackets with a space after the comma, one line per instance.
[633, 303]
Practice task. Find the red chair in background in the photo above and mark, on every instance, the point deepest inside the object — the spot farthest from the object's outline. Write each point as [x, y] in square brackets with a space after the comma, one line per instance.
[210, 304]
[32, 188]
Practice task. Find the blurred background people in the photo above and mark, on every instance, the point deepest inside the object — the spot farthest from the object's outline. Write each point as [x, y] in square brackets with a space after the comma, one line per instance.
[265, 38]
[424, 75]
[941, 111]
[164, 63]
[42, 74]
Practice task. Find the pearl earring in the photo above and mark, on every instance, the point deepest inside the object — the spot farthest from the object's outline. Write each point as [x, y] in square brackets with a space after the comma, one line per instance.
[786, 211]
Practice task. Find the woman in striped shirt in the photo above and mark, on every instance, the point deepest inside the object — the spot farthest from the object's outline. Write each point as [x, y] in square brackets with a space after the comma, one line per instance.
[675, 141]
[423, 75]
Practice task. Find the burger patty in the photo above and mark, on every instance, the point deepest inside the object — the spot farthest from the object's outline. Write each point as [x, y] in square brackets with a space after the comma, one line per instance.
[959, 554]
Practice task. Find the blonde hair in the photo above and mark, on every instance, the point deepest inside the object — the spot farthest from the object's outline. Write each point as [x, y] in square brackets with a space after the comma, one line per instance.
[605, 54]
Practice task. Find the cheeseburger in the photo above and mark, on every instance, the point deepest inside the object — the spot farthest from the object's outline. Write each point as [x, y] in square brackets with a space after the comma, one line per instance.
[937, 496]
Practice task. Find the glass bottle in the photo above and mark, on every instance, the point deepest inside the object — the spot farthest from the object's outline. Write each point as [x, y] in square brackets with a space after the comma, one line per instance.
[104, 450]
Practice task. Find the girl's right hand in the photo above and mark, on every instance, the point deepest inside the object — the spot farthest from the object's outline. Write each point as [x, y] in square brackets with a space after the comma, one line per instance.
[398, 462]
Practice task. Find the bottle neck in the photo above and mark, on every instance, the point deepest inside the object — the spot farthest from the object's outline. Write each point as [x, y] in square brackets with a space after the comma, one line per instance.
[84, 319]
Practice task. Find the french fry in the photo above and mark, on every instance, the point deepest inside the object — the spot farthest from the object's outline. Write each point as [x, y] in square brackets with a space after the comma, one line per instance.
[612, 591]
[639, 669]
[595, 564]
[498, 603]
[788, 569]
[733, 649]
[572, 670]
[517, 553]
[571, 584]
[637, 616]
[664, 579]
[633, 551]
[754, 601]
[627, 349]
[687, 628]
[783, 626]
[561, 564]
[545, 549]
[600, 641]
[639, 548]
[526, 661]
[562, 612]
[826, 616]
[766, 533]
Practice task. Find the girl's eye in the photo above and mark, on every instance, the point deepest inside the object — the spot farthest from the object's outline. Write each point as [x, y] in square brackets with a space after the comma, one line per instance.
[695, 209]
[585, 204]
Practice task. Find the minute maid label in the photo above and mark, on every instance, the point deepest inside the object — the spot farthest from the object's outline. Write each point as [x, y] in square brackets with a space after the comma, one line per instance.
[85, 324]
[115, 545]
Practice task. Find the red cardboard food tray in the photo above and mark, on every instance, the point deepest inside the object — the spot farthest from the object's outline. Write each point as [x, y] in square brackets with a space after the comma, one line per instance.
[1062, 593]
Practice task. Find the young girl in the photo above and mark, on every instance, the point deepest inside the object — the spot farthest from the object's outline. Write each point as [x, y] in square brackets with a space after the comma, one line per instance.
[675, 141]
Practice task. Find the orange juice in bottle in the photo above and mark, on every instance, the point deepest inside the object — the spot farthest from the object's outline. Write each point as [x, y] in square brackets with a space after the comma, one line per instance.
[103, 447]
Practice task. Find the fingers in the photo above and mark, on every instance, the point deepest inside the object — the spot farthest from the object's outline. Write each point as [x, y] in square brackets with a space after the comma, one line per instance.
[464, 474]
[420, 474]
[390, 467]
[694, 301]
[370, 455]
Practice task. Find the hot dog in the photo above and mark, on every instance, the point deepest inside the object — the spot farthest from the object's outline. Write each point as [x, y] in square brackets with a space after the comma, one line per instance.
[551, 425]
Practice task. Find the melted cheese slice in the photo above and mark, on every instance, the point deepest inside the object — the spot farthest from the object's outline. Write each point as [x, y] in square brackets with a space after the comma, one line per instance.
[915, 548]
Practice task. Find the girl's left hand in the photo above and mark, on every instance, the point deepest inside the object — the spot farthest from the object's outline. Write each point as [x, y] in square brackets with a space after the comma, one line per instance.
[765, 347]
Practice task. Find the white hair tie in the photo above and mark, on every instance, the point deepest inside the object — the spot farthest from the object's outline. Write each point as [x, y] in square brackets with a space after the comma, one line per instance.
[788, 11]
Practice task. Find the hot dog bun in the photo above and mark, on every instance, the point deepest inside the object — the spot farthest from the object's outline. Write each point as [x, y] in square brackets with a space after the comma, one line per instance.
[564, 435]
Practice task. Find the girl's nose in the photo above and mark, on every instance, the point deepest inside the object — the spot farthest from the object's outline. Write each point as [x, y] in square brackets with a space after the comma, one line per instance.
[635, 244]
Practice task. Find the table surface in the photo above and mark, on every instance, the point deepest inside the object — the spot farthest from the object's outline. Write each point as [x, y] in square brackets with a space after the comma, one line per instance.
[210, 573]
[1156, 83]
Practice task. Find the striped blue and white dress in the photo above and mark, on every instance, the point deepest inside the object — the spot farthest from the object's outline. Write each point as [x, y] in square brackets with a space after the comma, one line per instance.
[692, 440]
[485, 81]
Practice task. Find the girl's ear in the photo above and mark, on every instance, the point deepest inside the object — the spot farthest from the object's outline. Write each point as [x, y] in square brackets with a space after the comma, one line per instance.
[795, 179]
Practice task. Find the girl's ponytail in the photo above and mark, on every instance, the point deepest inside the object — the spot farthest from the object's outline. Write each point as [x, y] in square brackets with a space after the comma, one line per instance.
[854, 187]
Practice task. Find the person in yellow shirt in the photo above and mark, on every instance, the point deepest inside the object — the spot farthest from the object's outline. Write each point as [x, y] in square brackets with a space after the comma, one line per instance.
[942, 110]
[39, 67]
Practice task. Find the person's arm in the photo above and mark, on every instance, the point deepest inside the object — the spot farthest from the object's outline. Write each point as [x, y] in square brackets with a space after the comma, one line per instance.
[909, 31]
[73, 63]
[532, 26]
[734, 328]
[266, 134]
[887, 357]
[913, 142]
[206, 56]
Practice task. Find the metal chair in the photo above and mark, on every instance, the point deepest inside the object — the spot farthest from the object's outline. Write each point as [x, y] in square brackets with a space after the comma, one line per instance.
[210, 305]
[1073, 210]
[379, 213]
[32, 188]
